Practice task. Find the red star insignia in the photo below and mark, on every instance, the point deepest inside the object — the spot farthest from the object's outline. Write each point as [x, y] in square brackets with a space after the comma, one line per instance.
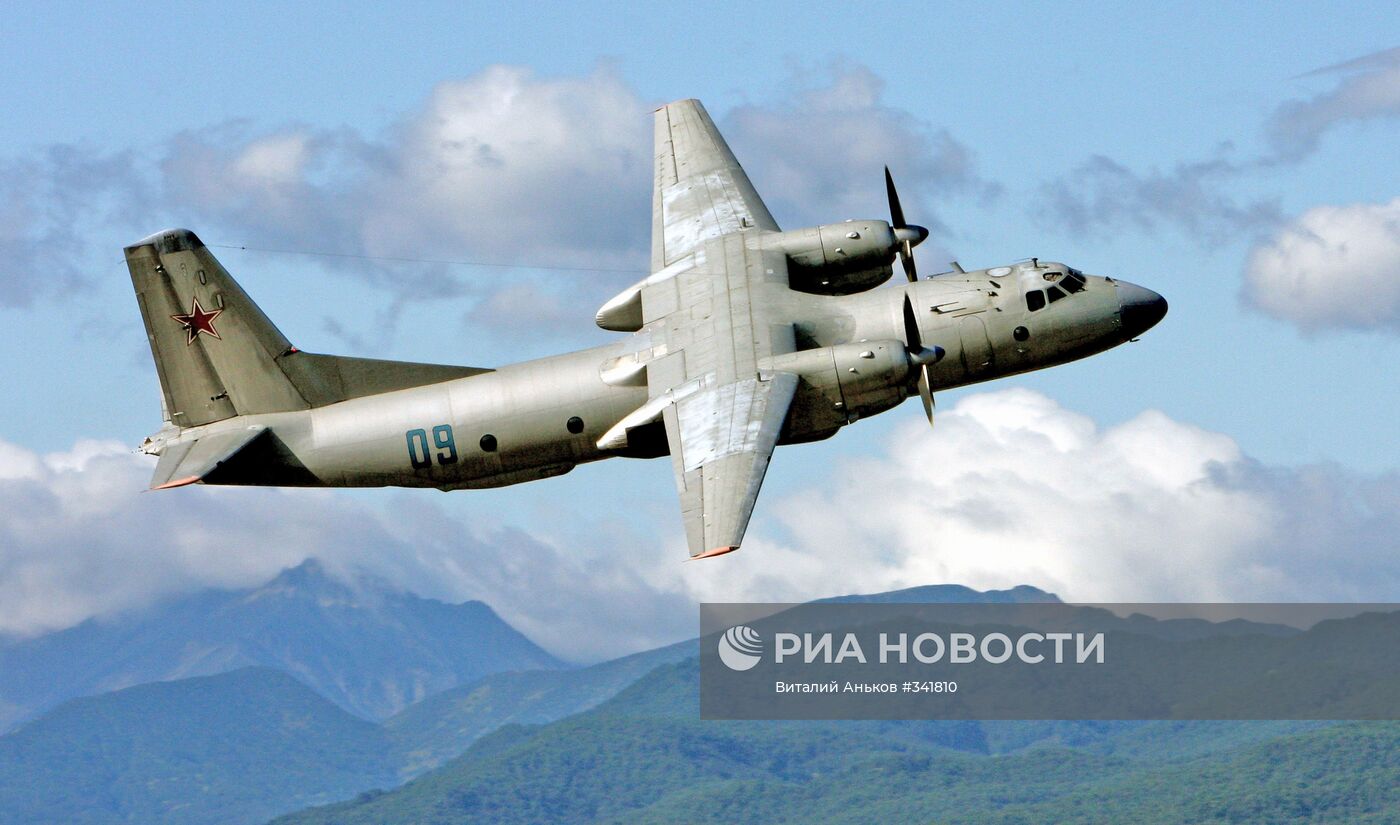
[199, 321]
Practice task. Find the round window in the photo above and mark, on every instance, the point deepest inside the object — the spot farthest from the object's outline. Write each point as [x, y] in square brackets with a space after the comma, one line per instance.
[575, 425]
[488, 443]
[1021, 333]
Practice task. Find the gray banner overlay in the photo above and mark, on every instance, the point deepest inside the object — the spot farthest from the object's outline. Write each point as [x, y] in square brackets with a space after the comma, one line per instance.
[841, 660]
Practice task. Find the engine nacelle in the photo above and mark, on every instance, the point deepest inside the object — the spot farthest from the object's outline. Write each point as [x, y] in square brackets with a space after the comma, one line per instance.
[854, 380]
[837, 258]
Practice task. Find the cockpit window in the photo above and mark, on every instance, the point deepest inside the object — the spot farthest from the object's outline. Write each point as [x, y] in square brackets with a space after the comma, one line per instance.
[1035, 299]
[1055, 294]
[1074, 281]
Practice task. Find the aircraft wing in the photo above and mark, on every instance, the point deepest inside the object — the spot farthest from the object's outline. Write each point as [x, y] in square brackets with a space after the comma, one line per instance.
[722, 439]
[700, 191]
[723, 410]
[706, 314]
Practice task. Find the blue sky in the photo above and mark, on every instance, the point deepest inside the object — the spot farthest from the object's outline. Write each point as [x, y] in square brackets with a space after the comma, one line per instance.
[1185, 147]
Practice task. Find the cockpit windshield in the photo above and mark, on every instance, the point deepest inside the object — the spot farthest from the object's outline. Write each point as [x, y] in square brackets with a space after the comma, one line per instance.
[1065, 284]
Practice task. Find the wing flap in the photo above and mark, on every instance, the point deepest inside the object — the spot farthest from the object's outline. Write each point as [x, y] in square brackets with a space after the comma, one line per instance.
[188, 462]
[726, 435]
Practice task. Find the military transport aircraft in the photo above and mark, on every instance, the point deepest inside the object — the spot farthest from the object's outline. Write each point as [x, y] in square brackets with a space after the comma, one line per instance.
[743, 337]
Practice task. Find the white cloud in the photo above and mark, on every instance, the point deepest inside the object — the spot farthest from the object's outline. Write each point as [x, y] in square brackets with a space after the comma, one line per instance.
[276, 160]
[519, 167]
[1010, 488]
[501, 166]
[50, 203]
[508, 166]
[1369, 89]
[1201, 197]
[817, 155]
[80, 537]
[1335, 266]
[1101, 196]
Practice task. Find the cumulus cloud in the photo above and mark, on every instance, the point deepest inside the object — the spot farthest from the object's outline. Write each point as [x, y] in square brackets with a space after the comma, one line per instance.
[511, 166]
[79, 538]
[1196, 197]
[49, 203]
[503, 164]
[282, 186]
[507, 166]
[1333, 267]
[1102, 195]
[1368, 88]
[503, 168]
[1010, 489]
[817, 156]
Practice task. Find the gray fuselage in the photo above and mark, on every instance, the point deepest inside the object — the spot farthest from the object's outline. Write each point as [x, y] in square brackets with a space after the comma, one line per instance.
[541, 418]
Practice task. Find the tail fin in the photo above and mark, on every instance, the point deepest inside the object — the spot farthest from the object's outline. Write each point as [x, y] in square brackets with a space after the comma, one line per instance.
[218, 355]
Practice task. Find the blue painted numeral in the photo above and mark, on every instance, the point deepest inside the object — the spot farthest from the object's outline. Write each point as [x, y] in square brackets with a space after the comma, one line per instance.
[418, 449]
[442, 437]
[420, 454]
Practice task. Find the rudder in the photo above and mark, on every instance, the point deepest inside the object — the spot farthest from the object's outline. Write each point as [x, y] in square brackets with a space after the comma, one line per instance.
[215, 351]
[217, 354]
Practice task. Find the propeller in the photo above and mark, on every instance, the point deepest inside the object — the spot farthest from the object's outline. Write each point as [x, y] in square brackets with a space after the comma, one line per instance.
[920, 357]
[906, 235]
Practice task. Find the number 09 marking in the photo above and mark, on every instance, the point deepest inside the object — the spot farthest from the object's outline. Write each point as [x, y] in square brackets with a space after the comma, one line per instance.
[420, 453]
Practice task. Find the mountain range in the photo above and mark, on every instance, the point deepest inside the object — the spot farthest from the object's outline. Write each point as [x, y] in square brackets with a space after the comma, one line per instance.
[349, 696]
[645, 757]
[367, 647]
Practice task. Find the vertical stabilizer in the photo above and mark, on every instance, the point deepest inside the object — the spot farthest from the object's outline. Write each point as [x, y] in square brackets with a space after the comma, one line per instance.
[218, 355]
[215, 351]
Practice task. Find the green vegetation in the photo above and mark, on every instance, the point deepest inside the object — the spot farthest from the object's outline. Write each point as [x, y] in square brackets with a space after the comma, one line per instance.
[251, 744]
[622, 741]
[645, 757]
[442, 726]
[237, 747]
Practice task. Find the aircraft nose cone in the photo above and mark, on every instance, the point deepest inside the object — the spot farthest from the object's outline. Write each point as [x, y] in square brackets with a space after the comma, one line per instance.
[1139, 309]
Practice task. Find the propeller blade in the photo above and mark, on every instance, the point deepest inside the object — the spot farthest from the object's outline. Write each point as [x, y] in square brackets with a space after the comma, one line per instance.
[925, 393]
[896, 211]
[907, 236]
[913, 339]
[919, 356]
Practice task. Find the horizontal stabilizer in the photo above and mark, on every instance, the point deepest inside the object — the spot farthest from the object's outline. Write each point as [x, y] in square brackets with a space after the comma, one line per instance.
[328, 379]
[189, 462]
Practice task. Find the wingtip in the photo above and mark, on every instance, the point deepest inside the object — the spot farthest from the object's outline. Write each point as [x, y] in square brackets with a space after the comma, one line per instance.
[678, 102]
[717, 551]
[179, 482]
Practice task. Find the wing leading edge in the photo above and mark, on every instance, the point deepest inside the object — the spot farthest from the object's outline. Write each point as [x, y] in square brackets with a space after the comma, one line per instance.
[700, 191]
